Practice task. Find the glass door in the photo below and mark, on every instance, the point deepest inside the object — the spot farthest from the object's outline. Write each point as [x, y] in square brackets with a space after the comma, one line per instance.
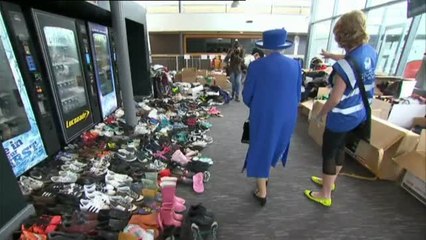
[103, 68]
[60, 46]
[13, 118]
[103, 63]
[68, 75]
[19, 133]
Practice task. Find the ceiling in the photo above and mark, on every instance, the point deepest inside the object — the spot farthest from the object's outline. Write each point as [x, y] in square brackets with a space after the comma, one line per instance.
[284, 7]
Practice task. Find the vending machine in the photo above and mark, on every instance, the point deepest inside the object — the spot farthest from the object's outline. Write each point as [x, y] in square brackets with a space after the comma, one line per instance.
[30, 68]
[104, 69]
[19, 133]
[66, 71]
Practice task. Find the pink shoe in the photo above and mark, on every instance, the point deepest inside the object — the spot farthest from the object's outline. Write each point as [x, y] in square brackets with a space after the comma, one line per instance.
[168, 193]
[198, 184]
[167, 218]
[173, 180]
[177, 216]
[180, 158]
[213, 111]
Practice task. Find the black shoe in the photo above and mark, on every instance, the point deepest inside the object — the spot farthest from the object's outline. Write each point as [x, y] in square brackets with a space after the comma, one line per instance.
[261, 200]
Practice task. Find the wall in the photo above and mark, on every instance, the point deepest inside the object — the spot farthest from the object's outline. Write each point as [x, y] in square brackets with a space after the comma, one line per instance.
[168, 43]
[164, 43]
[187, 22]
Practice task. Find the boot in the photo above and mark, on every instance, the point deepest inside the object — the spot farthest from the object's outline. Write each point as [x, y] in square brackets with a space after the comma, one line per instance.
[166, 215]
[168, 192]
[173, 180]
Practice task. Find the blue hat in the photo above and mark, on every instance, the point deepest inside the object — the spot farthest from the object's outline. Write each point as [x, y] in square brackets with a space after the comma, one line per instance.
[274, 40]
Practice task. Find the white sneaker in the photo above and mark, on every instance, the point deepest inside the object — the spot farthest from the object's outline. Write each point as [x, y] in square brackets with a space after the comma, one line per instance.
[141, 129]
[199, 143]
[31, 183]
[119, 113]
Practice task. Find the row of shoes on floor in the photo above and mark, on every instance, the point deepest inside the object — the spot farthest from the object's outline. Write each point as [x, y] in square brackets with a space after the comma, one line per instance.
[91, 185]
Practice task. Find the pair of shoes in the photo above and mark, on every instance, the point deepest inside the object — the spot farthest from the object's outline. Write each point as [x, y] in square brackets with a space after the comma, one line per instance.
[261, 200]
[323, 201]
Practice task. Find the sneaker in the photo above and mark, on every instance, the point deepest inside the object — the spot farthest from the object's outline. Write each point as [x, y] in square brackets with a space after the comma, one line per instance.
[126, 191]
[199, 143]
[128, 157]
[31, 183]
[120, 203]
[203, 159]
[65, 177]
[71, 168]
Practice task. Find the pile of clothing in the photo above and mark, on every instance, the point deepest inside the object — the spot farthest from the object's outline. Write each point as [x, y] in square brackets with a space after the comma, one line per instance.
[119, 182]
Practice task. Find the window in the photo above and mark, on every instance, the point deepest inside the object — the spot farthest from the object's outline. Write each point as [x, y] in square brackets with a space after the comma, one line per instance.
[347, 6]
[371, 3]
[318, 38]
[323, 9]
[393, 34]
[374, 25]
[416, 51]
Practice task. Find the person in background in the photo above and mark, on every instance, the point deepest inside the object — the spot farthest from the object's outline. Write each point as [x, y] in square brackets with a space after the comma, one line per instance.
[344, 109]
[235, 62]
[257, 53]
[217, 62]
[272, 92]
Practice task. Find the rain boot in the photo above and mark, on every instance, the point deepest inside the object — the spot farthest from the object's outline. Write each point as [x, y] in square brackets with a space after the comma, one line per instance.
[168, 192]
[174, 181]
[166, 215]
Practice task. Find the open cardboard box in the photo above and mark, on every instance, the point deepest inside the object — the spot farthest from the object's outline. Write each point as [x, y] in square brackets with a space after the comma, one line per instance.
[399, 114]
[306, 106]
[189, 75]
[385, 143]
[414, 163]
[221, 80]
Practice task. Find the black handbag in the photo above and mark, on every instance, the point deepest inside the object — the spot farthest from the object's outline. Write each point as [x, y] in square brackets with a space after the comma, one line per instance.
[246, 132]
[363, 131]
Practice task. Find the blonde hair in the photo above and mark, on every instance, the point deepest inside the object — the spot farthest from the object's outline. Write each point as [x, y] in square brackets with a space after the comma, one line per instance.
[351, 30]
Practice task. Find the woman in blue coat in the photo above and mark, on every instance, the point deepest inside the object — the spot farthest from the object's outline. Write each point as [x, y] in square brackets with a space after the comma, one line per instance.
[272, 92]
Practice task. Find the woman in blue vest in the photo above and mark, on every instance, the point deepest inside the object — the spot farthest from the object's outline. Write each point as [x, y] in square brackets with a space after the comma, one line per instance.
[272, 92]
[344, 109]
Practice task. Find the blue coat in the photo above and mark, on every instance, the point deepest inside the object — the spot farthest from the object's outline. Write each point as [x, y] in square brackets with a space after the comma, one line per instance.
[272, 92]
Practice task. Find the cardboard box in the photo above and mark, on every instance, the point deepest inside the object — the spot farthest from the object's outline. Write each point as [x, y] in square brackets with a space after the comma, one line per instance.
[305, 108]
[403, 87]
[221, 81]
[415, 160]
[323, 92]
[399, 114]
[189, 75]
[316, 130]
[415, 186]
[385, 143]
[202, 73]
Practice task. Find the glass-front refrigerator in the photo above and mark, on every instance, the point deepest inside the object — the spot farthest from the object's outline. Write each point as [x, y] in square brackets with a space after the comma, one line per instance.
[59, 43]
[103, 66]
[19, 133]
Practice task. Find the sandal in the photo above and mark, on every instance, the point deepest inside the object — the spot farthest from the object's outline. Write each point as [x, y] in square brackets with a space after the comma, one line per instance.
[324, 201]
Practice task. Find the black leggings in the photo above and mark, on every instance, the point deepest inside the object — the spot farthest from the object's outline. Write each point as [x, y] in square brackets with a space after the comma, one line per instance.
[333, 150]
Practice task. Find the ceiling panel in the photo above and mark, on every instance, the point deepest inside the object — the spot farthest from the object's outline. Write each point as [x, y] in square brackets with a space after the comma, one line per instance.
[285, 7]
